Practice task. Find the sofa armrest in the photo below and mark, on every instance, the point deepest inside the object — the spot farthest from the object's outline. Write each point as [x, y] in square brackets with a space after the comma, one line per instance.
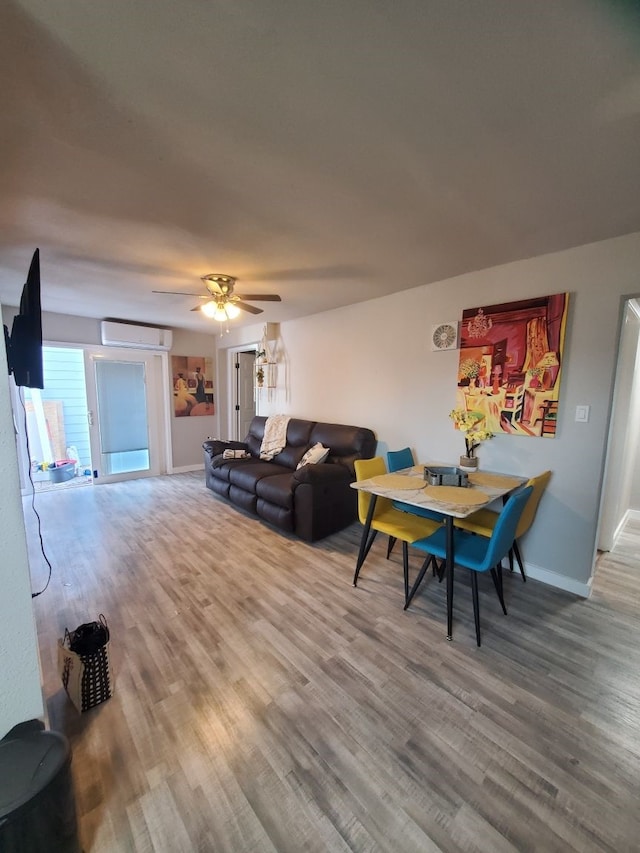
[323, 473]
[323, 500]
[214, 446]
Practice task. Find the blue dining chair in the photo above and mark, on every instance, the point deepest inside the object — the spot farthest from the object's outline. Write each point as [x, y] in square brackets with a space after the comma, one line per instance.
[399, 459]
[477, 553]
[396, 461]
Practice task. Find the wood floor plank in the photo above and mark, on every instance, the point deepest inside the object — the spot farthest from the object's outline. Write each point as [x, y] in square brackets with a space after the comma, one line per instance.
[263, 703]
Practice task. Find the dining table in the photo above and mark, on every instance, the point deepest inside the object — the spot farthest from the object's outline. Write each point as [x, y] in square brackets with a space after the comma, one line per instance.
[410, 487]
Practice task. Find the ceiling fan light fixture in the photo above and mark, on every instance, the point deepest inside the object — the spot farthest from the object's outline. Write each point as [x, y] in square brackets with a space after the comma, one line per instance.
[209, 309]
[220, 313]
[220, 301]
[219, 279]
[220, 310]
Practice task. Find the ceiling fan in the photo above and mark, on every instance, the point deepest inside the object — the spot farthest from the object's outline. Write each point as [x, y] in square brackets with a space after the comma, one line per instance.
[221, 303]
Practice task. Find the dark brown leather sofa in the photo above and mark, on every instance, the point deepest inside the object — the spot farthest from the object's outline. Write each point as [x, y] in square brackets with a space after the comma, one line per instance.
[311, 502]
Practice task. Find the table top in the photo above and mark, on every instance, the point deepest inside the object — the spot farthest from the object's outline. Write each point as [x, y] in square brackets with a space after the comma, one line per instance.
[484, 488]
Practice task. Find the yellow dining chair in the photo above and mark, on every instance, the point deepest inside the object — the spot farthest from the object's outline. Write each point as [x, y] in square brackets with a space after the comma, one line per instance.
[386, 519]
[484, 521]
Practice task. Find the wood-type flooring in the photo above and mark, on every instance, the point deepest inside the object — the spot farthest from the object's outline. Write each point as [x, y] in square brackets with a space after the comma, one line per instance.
[262, 703]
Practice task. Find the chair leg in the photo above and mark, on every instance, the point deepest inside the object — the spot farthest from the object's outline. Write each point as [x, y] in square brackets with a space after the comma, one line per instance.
[510, 559]
[390, 544]
[418, 580]
[496, 576]
[363, 555]
[405, 571]
[476, 603]
[519, 559]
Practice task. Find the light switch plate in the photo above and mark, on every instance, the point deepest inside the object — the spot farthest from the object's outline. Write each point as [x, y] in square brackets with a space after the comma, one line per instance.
[582, 414]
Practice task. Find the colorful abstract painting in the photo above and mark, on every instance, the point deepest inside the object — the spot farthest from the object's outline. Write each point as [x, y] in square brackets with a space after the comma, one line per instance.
[511, 364]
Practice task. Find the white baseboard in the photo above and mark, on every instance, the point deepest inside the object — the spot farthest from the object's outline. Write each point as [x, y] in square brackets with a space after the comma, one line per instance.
[633, 514]
[620, 526]
[184, 469]
[537, 573]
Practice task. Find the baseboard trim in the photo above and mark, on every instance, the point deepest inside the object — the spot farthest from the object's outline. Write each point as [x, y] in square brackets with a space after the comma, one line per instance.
[620, 527]
[537, 573]
[185, 469]
[633, 514]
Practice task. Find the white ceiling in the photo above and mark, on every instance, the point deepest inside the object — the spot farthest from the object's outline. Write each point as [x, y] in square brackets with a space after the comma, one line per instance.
[330, 151]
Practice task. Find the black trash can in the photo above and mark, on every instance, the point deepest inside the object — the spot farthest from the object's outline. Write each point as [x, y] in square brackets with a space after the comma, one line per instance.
[37, 804]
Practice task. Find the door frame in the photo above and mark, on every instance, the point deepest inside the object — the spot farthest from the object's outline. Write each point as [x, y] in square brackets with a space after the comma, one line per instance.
[158, 416]
[232, 387]
[244, 359]
[610, 519]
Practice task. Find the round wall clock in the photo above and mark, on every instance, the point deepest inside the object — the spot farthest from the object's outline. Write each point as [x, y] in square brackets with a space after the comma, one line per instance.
[444, 336]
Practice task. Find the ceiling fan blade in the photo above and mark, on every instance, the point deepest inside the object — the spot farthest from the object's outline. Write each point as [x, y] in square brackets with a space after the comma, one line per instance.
[182, 293]
[250, 308]
[197, 308]
[259, 297]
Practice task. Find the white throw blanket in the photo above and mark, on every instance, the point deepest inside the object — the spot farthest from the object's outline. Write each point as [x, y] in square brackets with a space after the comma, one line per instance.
[275, 436]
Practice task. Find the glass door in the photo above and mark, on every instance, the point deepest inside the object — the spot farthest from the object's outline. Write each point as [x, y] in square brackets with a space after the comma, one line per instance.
[123, 397]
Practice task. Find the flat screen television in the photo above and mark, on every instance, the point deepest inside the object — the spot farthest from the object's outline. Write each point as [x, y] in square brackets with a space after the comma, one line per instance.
[24, 344]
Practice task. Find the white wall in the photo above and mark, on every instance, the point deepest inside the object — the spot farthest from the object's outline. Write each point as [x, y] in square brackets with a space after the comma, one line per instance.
[187, 434]
[20, 695]
[371, 364]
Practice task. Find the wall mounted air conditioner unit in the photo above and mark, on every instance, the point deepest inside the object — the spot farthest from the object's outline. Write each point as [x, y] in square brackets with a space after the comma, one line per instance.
[139, 337]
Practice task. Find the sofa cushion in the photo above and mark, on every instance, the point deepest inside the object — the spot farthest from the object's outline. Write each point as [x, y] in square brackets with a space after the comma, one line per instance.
[346, 443]
[247, 476]
[277, 490]
[222, 467]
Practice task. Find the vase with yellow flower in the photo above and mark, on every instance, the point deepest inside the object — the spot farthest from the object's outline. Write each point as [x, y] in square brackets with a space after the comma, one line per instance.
[469, 423]
[468, 372]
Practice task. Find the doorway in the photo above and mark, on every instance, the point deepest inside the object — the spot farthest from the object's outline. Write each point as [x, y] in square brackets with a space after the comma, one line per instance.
[621, 493]
[244, 393]
[124, 402]
[54, 427]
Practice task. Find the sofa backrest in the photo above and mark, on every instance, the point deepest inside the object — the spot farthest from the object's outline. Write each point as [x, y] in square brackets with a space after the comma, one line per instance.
[298, 440]
[345, 443]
